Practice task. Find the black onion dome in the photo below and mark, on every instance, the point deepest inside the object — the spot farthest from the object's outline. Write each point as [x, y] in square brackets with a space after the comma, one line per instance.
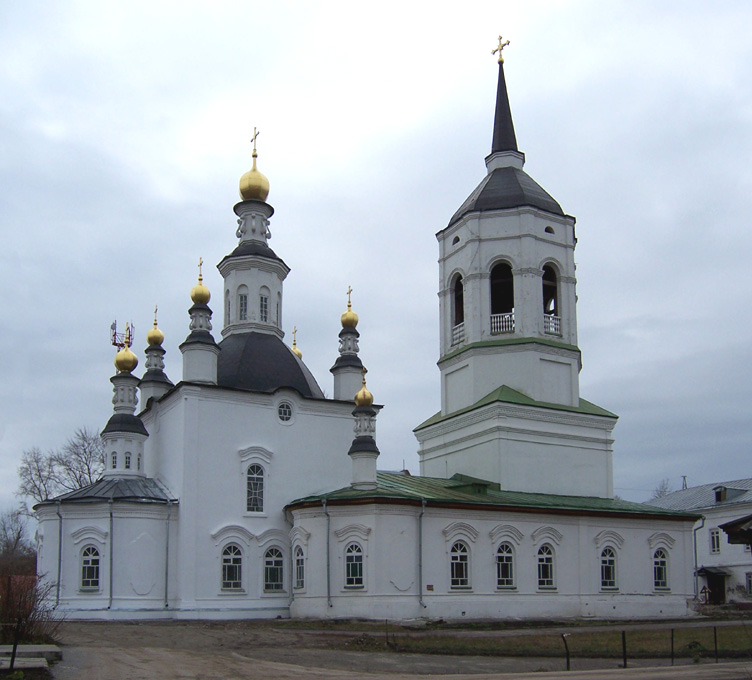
[507, 188]
[261, 362]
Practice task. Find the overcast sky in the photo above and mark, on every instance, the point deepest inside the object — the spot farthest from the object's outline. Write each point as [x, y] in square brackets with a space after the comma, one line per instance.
[124, 129]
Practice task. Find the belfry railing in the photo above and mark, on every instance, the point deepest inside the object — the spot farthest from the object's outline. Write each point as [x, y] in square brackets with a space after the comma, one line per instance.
[502, 323]
[458, 333]
[551, 324]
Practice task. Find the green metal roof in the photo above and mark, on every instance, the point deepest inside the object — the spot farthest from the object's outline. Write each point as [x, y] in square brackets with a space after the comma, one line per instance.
[511, 396]
[461, 490]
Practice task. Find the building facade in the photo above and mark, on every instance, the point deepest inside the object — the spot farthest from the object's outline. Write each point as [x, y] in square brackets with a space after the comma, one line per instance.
[722, 569]
[229, 493]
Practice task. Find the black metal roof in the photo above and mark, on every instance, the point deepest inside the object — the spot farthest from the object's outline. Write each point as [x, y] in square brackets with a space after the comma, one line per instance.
[137, 489]
[156, 375]
[261, 362]
[504, 138]
[125, 422]
[507, 188]
[247, 248]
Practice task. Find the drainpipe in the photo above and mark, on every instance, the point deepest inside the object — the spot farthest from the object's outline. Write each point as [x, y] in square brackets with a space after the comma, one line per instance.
[694, 541]
[420, 552]
[109, 606]
[59, 554]
[328, 558]
[167, 553]
[291, 570]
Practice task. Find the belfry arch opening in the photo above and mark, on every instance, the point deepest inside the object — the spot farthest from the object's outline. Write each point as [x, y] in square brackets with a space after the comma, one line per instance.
[551, 313]
[458, 301]
[458, 310]
[502, 299]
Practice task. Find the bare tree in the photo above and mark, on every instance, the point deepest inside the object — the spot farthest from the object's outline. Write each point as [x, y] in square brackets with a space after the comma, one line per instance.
[24, 596]
[78, 463]
[17, 554]
[663, 489]
[81, 460]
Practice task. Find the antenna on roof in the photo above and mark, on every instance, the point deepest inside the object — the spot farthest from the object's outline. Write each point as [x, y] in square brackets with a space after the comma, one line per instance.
[120, 340]
[684, 482]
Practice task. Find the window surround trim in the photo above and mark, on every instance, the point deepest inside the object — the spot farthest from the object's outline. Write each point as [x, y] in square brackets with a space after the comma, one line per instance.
[260, 456]
[90, 589]
[362, 545]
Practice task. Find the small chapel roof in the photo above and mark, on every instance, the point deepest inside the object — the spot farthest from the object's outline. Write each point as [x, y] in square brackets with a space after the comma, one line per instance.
[461, 491]
[134, 489]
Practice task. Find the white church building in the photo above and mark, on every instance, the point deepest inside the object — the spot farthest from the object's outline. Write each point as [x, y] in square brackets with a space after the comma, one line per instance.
[229, 494]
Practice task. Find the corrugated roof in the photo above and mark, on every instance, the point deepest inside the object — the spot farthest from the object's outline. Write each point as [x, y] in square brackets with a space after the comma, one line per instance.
[703, 496]
[138, 489]
[511, 396]
[462, 490]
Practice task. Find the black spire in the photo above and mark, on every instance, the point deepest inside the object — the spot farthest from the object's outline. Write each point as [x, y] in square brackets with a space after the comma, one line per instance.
[503, 132]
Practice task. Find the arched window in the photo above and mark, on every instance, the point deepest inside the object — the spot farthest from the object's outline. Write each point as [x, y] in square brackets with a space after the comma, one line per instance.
[273, 571]
[138, 462]
[114, 460]
[458, 307]
[502, 299]
[660, 569]
[608, 568]
[505, 566]
[227, 307]
[278, 318]
[264, 304]
[255, 488]
[90, 568]
[353, 566]
[242, 303]
[127, 460]
[232, 568]
[299, 568]
[546, 567]
[459, 566]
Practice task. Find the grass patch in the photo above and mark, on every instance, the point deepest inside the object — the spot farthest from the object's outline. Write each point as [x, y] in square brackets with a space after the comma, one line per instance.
[733, 642]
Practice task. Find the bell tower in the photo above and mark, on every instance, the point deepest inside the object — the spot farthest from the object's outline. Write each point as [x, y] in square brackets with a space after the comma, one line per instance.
[507, 276]
[507, 308]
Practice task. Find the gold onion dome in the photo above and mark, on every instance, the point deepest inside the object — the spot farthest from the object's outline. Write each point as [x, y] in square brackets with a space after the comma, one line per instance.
[200, 293]
[363, 397]
[154, 336]
[349, 318]
[294, 347]
[253, 184]
[125, 360]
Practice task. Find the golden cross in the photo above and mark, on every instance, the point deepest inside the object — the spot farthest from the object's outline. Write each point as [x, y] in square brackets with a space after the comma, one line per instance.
[501, 46]
[155, 315]
[200, 263]
[349, 290]
[253, 139]
[294, 334]
[127, 336]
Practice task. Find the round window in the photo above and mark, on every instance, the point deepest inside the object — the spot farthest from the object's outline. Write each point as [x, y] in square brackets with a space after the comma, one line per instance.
[284, 411]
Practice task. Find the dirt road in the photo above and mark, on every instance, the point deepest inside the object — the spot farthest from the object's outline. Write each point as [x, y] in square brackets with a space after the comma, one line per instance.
[247, 649]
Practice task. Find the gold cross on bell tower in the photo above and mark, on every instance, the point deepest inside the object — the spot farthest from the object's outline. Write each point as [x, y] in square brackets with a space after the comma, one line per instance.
[253, 139]
[501, 46]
